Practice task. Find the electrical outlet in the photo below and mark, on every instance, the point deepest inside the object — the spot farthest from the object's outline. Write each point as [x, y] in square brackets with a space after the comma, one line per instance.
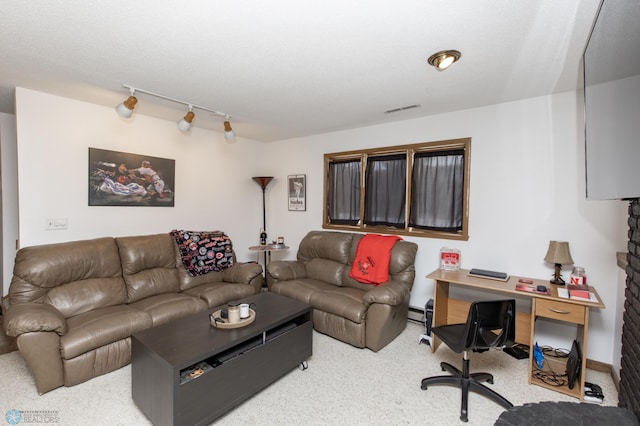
[57, 224]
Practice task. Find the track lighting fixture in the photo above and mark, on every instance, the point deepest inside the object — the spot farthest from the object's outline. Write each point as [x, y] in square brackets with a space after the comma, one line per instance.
[185, 123]
[229, 134]
[125, 109]
[443, 59]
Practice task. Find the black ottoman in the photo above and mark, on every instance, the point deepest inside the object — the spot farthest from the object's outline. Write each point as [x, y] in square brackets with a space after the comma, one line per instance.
[566, 413]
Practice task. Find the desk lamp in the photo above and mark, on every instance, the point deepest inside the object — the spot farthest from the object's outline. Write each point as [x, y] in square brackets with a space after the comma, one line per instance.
[558, 254]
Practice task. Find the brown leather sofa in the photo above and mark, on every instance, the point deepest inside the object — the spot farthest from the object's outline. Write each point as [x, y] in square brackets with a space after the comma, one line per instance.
[360, 314]
[73, 306]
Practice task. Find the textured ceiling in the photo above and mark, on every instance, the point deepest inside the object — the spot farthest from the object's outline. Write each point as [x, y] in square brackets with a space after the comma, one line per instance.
[289, 68]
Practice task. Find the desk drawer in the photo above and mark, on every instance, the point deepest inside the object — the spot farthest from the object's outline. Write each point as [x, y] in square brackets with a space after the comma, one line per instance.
[563, 311]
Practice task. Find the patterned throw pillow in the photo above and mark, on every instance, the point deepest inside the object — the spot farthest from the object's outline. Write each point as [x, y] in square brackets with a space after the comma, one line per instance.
[204, 252]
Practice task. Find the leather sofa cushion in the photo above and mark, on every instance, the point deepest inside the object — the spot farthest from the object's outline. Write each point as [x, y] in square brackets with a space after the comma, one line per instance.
[343, 302]
[74, 277]
[83, 296]
[169, 306]
[100, 327]
[325, 270]
[216, 294]
[148, 265]
[301, 289]
[325, 245]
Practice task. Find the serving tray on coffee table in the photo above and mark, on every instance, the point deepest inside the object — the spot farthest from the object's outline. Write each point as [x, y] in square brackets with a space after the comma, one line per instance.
[226, 324]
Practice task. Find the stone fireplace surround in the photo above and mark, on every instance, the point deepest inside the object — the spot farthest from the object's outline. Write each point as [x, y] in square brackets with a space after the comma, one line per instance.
[629, 394]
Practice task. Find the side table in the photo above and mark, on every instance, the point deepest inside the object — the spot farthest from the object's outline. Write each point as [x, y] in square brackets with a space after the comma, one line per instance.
[267, 249]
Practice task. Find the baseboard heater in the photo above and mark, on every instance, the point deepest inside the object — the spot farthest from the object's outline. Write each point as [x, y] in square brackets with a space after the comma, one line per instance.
[416, 314]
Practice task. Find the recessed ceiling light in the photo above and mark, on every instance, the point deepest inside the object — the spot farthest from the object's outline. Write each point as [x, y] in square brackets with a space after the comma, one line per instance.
[443, 59]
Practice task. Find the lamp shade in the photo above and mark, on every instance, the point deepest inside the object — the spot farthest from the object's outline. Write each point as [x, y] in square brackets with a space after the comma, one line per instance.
[185, 123]
[125, 109]
[263, 181]
[229, 134]
[558, 253]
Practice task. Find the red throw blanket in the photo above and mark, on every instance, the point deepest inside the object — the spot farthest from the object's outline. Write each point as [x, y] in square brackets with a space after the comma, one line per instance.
[371, 263]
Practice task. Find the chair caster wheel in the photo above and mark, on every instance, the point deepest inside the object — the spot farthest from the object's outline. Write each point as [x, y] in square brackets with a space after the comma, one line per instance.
[303, 365]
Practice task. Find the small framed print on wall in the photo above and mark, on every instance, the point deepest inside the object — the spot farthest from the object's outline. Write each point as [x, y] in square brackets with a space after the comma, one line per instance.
[297, 188]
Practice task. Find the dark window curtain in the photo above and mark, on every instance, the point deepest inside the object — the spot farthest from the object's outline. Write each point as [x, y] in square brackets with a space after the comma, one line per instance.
[343, 193]
[385, 190]
[437, 184]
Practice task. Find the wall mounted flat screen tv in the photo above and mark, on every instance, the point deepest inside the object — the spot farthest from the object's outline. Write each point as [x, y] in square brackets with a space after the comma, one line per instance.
[612, 102]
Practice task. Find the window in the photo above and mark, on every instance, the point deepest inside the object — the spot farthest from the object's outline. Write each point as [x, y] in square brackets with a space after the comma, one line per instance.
[385, 190]
[420, 190]
[343, 192]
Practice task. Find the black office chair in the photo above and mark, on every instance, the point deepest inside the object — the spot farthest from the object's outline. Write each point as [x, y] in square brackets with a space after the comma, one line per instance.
[489, 324]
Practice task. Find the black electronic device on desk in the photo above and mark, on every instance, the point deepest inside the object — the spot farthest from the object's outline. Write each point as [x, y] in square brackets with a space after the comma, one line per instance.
[492, 275]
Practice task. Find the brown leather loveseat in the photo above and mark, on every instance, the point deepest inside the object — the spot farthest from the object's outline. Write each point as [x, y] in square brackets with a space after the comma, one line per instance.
[73, 306]
[360, 314]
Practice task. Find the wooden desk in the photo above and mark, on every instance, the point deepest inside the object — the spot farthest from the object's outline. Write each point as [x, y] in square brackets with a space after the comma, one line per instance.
[447, 310]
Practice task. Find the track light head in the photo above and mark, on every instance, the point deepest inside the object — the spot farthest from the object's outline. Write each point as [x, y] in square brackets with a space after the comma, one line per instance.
[229, 134]
[125, 109]
[185, 123]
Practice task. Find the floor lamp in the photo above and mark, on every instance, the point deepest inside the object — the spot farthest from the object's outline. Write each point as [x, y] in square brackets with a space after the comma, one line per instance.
[263, 181]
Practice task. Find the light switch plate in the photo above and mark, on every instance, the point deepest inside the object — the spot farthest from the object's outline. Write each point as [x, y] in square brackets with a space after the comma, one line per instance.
[57, 224]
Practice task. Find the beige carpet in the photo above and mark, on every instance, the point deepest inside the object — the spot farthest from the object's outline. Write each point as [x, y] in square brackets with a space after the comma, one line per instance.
[343, 385]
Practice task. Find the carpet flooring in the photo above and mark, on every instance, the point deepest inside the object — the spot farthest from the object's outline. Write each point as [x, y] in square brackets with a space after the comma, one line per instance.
[343, 385]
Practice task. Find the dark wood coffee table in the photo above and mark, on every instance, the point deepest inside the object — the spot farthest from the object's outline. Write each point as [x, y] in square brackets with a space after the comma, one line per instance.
[187, 372]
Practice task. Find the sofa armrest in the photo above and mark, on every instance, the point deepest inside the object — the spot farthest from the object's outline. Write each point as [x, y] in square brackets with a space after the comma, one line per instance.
[33, 317]
[284, 270]
[241, 273]
[390, 293]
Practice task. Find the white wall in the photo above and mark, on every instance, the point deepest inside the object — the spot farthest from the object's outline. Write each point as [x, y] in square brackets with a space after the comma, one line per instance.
[213, 189]
[527, 188]
[9, 169]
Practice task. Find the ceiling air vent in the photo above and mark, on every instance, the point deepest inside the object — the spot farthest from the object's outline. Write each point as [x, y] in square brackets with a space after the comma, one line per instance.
[391, 111]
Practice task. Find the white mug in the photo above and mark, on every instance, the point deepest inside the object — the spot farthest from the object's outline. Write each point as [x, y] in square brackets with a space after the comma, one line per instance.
[244, 310]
